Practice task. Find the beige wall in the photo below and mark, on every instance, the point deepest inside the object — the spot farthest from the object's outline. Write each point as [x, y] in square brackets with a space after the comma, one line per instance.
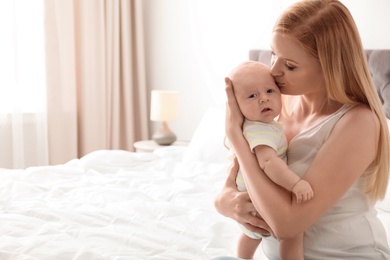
[192, 44]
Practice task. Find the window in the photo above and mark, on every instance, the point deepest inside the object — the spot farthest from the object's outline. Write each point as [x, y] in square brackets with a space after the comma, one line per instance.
[22, 71]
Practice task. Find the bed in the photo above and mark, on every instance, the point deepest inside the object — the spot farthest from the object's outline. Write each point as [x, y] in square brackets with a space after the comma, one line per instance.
[114, 204]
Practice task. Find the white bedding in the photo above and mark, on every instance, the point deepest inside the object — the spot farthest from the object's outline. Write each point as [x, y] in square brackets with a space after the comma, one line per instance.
[117, 205]
[114, 205]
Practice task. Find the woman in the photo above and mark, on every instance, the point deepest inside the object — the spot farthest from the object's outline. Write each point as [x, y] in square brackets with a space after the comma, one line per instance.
[338, 141]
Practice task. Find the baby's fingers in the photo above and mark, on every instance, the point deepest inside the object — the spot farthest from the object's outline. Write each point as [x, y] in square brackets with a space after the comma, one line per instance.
[304, 197]
[299, 198]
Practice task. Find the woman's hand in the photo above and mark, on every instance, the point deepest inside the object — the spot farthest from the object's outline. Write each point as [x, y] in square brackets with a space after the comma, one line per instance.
[234, 118]
[238, 206]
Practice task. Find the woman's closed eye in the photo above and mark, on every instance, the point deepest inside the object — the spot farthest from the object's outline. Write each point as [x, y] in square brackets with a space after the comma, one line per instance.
[289, 67]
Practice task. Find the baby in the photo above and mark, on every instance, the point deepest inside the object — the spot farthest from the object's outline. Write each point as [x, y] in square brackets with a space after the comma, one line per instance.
[260, 102]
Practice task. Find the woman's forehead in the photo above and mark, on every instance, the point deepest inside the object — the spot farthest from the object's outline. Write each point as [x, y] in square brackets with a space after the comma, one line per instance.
[288, 48]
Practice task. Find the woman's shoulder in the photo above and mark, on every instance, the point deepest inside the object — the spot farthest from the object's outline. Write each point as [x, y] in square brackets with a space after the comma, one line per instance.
[359, 117]
[361, 113]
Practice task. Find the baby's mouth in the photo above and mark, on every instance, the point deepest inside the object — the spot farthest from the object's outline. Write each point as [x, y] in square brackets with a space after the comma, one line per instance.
[267, 109]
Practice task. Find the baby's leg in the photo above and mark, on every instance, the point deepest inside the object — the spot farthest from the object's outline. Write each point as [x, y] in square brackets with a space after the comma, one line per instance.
[247, 247]
[291, 249]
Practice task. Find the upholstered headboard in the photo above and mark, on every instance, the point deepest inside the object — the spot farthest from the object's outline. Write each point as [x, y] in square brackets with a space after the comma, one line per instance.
[378, 61]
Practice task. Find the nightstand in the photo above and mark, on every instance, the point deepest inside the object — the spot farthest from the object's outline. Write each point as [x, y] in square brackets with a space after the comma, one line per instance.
[150, 145]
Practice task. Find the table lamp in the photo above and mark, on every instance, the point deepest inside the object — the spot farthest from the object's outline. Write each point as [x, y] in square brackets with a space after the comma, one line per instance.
[164, 108]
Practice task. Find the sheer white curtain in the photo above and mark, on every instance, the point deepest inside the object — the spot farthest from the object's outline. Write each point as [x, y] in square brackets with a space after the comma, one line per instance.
[23, 134]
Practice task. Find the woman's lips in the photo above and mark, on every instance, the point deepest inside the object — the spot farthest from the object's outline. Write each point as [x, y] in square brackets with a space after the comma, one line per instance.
[280, 84]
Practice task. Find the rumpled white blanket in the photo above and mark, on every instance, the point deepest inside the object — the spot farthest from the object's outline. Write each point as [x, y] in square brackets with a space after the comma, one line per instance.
[116, 205]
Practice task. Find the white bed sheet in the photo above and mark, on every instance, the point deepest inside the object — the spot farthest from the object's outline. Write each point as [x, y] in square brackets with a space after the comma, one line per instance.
[114, 205]
[117, 205]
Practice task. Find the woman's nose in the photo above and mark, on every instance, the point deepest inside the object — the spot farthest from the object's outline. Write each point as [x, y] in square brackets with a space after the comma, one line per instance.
[275, 69]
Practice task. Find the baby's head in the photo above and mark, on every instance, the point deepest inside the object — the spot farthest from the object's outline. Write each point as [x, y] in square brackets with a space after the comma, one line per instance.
[257, 94]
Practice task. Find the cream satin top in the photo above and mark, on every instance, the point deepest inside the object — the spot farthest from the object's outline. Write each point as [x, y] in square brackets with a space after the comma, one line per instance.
[350, 229]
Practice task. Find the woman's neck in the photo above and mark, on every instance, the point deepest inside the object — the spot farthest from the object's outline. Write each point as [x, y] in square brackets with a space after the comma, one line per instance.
[304, 112]
[307, 107]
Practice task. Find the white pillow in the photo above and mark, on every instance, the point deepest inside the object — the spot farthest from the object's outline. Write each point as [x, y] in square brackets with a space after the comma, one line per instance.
[207, 143]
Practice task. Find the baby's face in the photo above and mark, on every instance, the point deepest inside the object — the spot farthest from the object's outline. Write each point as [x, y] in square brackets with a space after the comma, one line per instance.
[257, 94]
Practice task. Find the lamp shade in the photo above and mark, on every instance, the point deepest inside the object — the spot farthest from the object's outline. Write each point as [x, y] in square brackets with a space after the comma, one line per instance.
[164, 105]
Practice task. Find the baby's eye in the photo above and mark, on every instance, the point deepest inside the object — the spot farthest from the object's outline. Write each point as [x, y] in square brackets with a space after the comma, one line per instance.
[252, 95]
[270, 91]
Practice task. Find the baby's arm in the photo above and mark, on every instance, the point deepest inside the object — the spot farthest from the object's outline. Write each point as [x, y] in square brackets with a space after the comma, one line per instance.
[277, 170]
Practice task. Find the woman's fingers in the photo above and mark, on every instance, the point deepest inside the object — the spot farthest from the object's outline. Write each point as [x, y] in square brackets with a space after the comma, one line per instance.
[233, 171]
[228, 83]
[231, 99]
[257, 225]
[234, 168]
[234, 117]
[246, 214]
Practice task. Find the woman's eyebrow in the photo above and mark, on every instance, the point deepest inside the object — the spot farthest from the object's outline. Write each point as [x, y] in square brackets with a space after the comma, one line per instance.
[286, 59]
[293, 61]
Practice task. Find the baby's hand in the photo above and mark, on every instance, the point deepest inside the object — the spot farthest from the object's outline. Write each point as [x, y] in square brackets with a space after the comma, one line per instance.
[303, 191]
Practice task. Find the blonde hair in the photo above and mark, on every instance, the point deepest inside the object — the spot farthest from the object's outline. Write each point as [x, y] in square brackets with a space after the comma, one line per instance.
[327, 31]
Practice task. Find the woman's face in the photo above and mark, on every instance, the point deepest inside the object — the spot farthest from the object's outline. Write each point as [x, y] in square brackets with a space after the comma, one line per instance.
[295, 71]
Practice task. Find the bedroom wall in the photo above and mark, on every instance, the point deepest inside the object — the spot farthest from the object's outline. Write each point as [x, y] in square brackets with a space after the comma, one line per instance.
[192, 45]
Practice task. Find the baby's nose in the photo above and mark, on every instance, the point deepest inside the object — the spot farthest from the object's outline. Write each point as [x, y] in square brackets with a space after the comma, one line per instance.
[264, 99]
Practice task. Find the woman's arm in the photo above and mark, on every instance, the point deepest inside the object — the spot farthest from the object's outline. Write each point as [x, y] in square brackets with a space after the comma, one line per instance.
[347, 153]
[238, 206]
[277, 170]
